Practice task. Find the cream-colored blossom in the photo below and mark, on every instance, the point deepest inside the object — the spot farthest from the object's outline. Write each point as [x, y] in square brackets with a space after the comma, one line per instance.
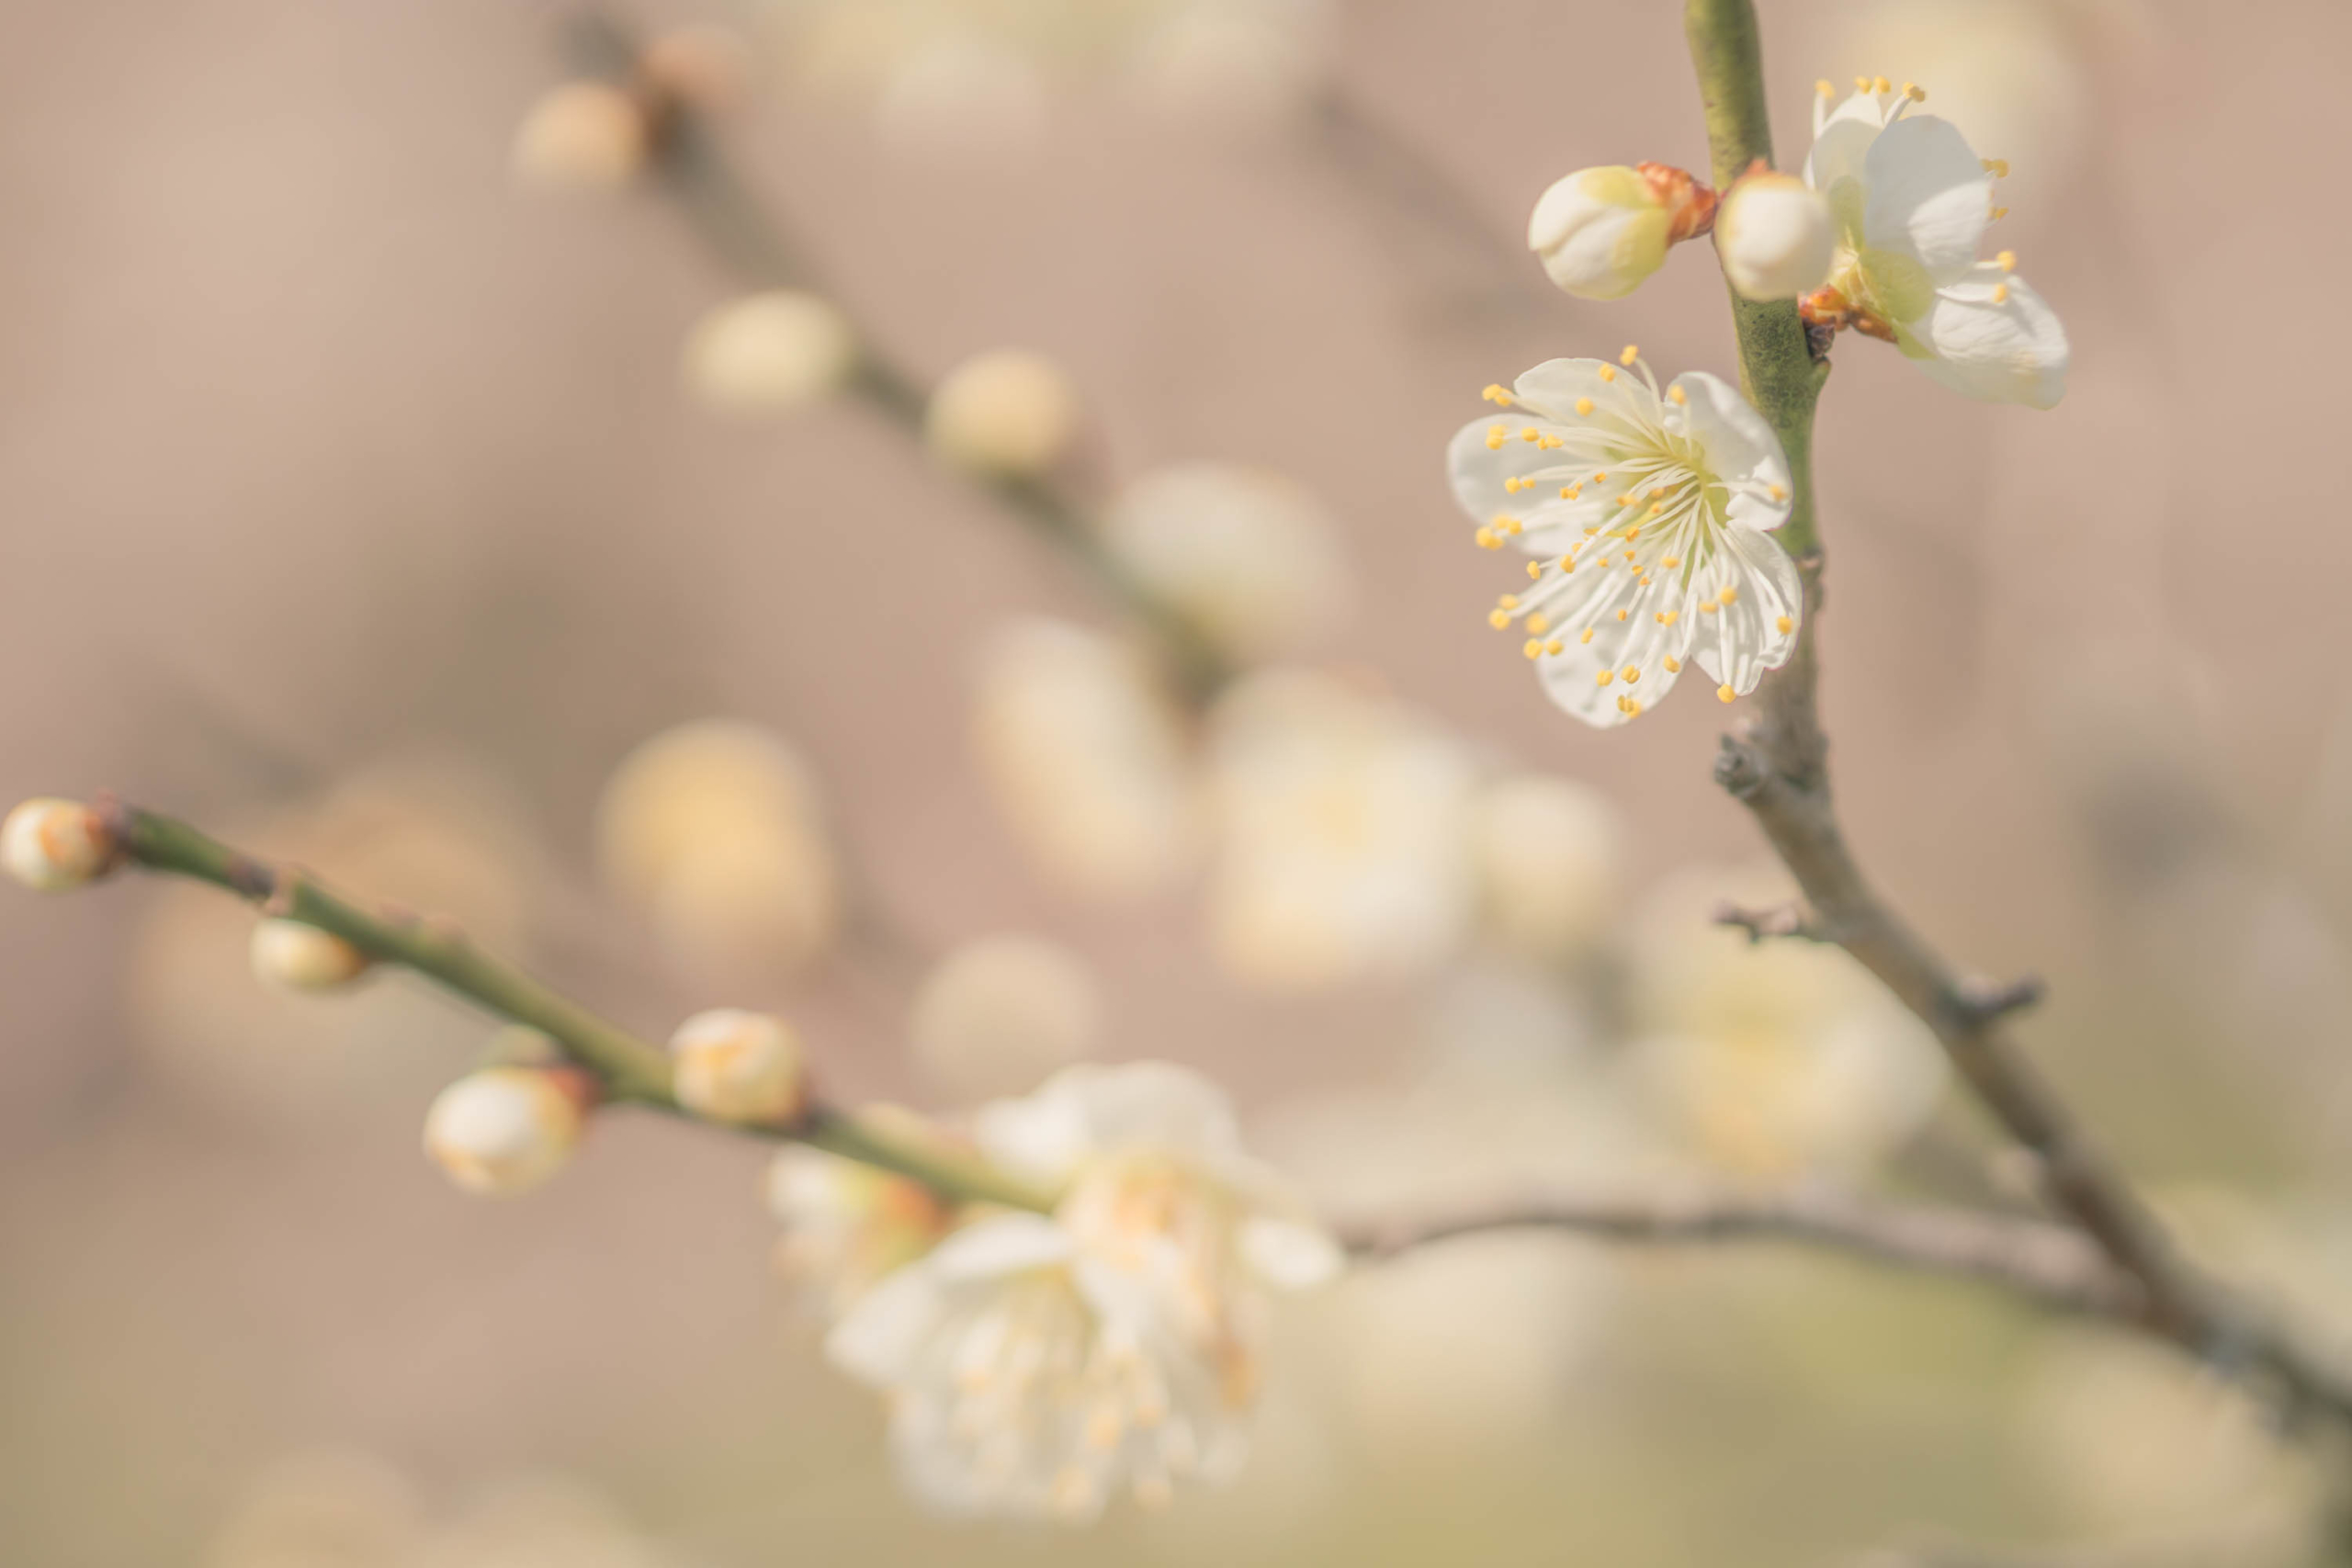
[1650, 513]
[1776, 236]
[1009, 413]
[51, 845]
[1342, 845]
[733, 1066]
[770, 352]
[1086, 758]
[1249, 556]
[1550, 856]
[847, 1225]
[505, 1130]
[1043, 1367]
[1911, 201]
[1601, 231]
[300, 957]
[997, 1015]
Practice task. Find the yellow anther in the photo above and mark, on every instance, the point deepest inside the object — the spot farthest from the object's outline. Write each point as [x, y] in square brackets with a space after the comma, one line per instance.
[2000, 294]
[1916, 92]
[1667, 617]
[1998, 167]
[1588, 635]
[1531, 436]
[1632, 672]
[1656, 491]
[1609, 372]
[1567, 563]
[1825, 89]
[1676, 395]
[1584, 405]
[1862, 84]
[1670, 562]
[1632, 352]
[1498, 619]
[1548, 444]
[1600, 479]
[1511, 484]
[1627, 499]
[1785, 625]
[1495, 437]
[1568, 492]
[1489, 539]
[1555, 646]
[1590, 529]
[1539, 623]
[1779, 492]
[1880, 84]
[2007, 261]
[1623, 614]
[1496, 392]
[1630, 708]
[1534, 569]
[1645, 579]
[1514, 526]
[1509, 601]
[1629, 557]
[1730, 595]
[1532, 648]
[1999, 213]
[1724, 694]
[1605, 677]
[1656, 507]
[1673, 665]
[1707, 606]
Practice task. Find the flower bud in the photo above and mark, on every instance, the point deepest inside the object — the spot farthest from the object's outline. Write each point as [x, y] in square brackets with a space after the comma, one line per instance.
[1776, 236]
[706, 64]
[740, 1067]
[295, 956]
[51, 845]
[769, 353]
[1601, 231]
[505, 1130]
[580, 136]
[1009, 413]
[999, 1015]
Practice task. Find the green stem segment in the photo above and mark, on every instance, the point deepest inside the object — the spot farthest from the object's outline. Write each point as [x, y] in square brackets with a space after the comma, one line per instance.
[1778, 766]
[629, 1070]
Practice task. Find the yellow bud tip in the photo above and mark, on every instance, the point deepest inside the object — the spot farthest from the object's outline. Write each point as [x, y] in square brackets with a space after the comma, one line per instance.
[1676, 395]
[1724, 694]
[1605, 677]
[1785, 625]
[2007, 261]
[1584, 405]
[1673, 665]
[1632, 352]
[1498, 619]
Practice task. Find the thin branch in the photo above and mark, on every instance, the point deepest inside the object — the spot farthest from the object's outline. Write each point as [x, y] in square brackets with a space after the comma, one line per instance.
[2047, 1264]
[630, 1070]
[1778, 766]
[749, 239]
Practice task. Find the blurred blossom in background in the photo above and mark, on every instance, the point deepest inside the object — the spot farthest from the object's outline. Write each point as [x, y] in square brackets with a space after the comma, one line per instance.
[515, 560]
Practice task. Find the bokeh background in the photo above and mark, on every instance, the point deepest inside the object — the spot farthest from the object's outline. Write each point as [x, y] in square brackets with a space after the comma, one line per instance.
[352, 502]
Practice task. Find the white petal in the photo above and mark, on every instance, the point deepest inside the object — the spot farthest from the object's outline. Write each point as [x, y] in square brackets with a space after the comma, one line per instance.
[1843, 140]
[2010, 351]
[1040, 1136]
[1155, 1104]
[1001, 1244]
[1288, 1255]
[1738, 443]
[1743, 639]
[1572, 677]
[1552, 389]
[1548, 521]
[1929, 195]
[881, 1339]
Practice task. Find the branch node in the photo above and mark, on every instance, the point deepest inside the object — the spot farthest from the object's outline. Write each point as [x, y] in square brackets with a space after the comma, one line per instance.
[1739, 770]
[1789, 919]
[1982, 1003]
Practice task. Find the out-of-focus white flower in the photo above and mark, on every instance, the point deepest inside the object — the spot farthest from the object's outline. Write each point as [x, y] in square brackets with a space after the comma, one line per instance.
[1043, 1366]
[1776, 235]
[1086, 758]
[505, 1130]
[1650, 515]
[714, 828]
[1911, 201]
[1551, 857]
[1228, 63]
[302, 957]
[770, 352]
[580, 136]
[732, 1066]
[1773, 1059]
[1343, 833]
[965, 95]
[846, 1223]
[997, 1015]
[51, 845]
[1006, 413]
[1249, 557]
[1601, 231]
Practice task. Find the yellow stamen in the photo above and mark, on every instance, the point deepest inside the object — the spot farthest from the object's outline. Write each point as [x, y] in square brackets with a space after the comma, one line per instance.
[2000, 294]
[1825, 89]
[1779, 492]
[1630, 353]
[1998, 167]
[1532, 648]
[1632, 672]
[1496, 392]
[2007, 261]
[1785, 625]
[1509, 601]
[1538, 624]
[1730, 595]
[1495, 437]
[1605, 677]
[1676, 395]
[1673, 665]
[1487, 539]
[1584, 405]
[1999, 213]
[1667, 617]
[1498, 619]
[1862, 84]
[1916, 92]
[1531, 436]
[1534, 569]
[1707, 606]
[1588, 635]
[1880, 84]
[1601, 478]
[1609, 372]
[1671, 562]
[1724, 694]
[1555, 646]
[1623, 614]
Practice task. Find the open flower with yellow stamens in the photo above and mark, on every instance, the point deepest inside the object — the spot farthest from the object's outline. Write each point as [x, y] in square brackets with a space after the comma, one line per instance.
[1649, 512]
[1911, 201]
[1043, 1366]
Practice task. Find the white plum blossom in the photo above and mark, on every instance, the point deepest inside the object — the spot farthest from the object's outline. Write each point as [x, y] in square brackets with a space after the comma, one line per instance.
[1776, 235]
[1649, 512]
[1911, 201]
[1042, 1366]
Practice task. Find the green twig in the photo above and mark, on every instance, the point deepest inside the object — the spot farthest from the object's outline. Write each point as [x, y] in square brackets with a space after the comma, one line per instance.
[630, 1070]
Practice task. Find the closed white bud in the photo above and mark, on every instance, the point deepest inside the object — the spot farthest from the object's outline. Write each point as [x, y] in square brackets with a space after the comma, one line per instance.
[299, 957]
[999, 1015]
[731, 1065]
[51, 845]
[505, 1130]
[1776, 237]
[1601, 232]
[580, 136]
[770, 352]
[1008, 412]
